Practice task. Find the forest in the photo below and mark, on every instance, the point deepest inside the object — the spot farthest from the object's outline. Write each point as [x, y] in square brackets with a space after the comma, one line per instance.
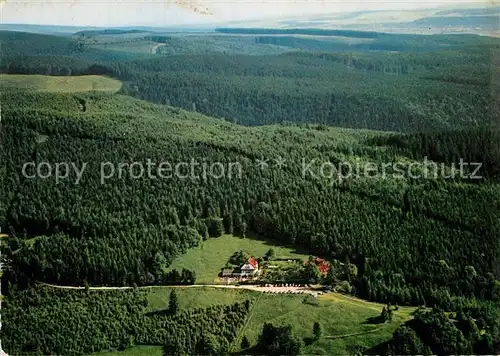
[124, 221]
[318, 32]
[408, 92]
[432, 242]
[78, 322]
[379, 41]
[436, 333]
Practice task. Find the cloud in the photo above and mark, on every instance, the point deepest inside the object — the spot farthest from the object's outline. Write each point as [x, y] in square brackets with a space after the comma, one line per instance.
[178, 12]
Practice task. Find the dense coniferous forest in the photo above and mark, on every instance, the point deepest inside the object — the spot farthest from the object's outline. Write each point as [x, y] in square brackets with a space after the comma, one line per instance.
[269, 31]
[90, 217]
[432, 242]
[77, 322]
[380, 41]
[287, 88]
[31, 44]
[388, 91]
[436, 333]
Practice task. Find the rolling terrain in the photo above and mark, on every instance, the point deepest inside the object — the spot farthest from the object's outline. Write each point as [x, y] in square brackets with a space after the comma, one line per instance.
[353, 316]
[71, 231]
[475, 18]
[301, 141]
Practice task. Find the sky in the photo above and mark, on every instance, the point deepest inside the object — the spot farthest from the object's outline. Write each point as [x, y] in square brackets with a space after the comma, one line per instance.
[179, 12]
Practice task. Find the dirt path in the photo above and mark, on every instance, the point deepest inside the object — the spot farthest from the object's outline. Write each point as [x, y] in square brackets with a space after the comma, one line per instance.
[240, 335]
[278, 290]
[353, 334]
[293, 290]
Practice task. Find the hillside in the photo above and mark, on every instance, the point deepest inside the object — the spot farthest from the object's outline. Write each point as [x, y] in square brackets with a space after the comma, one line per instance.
[390, 82]
[463, 18]
[209, 258]
[116, 128]
[17, 44]
[396, 92]
[111, 230]
[365, 170]
[110, 320]
[353, 317]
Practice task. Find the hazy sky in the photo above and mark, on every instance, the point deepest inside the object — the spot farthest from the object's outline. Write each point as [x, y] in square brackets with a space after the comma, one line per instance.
[169, 12]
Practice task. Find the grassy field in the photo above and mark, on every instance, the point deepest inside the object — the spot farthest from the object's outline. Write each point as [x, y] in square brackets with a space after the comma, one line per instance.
[140, 47]
[64, 84]
[208, 258]
[345, 320]
[339, 318]
[198, 297]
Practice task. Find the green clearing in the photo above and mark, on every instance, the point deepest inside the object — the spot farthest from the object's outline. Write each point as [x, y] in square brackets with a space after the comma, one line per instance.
[141, 47]
[344, 319]
[60, 84]
[208, 258]
[338, 317]
[198, 297]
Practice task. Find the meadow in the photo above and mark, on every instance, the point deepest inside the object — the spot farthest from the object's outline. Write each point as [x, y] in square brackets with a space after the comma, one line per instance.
[342, 318]
[139, 47]
[198, 297]
[60, 84]
[209, 257]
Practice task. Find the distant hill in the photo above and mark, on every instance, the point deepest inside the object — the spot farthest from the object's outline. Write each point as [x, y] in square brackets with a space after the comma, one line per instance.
[299, 31]
[466, 18]
[46, 29]
[490, 22]
[71, 30]
[30, 44]
[480, 20]
[470, 12]
[109, 31]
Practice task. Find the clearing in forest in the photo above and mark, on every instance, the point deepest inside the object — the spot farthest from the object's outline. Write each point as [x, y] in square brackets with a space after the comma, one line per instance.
[209, 258]
[60, 84]
[347, 322]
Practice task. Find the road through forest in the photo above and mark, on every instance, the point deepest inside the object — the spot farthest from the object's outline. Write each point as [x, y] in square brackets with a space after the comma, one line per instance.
[297, 290]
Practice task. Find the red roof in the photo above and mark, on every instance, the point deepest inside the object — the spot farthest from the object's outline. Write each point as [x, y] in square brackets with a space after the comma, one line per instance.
[252, 262]
[323, 267]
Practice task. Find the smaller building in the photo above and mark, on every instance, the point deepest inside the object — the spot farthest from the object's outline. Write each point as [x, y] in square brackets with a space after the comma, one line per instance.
[226, 272]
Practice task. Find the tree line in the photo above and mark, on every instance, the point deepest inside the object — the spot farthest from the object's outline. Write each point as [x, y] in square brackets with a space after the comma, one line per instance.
[436, 333]
[412, 242]
[44, 320]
